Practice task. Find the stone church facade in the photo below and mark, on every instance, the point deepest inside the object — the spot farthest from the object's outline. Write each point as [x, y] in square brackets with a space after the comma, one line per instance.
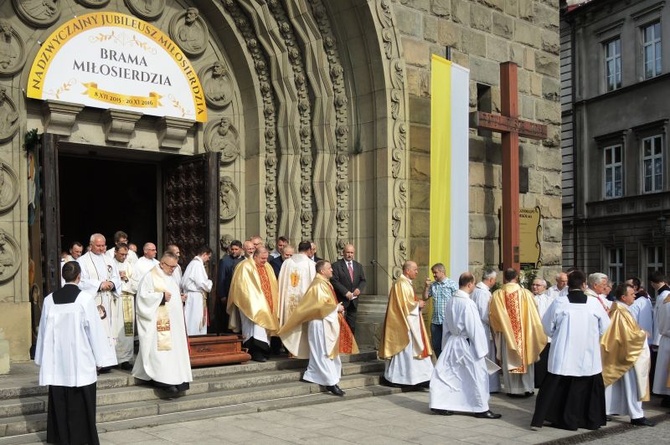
[318, 117]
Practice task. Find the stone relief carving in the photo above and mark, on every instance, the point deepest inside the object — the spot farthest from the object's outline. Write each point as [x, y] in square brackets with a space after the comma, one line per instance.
[93, 3]
[9, 187]
[247, 30]
[146, 9]
[230, 199]
[224, 242]
[217, 85]
[39, 13]
[9, 256]
[12, 49]
[391, 45]
[189, 31]
[9, 118]
[222, 136]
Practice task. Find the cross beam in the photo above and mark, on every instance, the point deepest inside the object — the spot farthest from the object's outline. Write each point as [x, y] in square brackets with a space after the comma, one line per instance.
[511, 128]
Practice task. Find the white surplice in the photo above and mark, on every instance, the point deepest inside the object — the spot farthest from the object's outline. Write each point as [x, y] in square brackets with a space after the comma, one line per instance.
[482, 298]
[95, 269]
[564, 321]
[643, 312]
[123, 300]
[460, 380]
[322, 369]
[404, 368]
[71, 342]
[662, 324]
[295, 277]
[140, 268]
[171, 367]
[196, 285]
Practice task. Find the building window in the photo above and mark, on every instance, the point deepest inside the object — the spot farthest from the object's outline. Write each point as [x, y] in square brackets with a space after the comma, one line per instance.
[613, 172]
[651, 50]
[652, 164]
[654, 259]
[613, 64]
[615, 265]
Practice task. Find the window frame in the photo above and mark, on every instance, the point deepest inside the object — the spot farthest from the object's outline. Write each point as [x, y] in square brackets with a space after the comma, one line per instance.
[613, 166]
[656, 43]
[653, 157]
[613, 58]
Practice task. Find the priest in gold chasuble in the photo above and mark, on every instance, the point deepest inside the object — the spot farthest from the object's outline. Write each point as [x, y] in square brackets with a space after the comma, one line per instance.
[519, 335]
[253, 304]
[626, 360]
[317, 330]
[404, 343]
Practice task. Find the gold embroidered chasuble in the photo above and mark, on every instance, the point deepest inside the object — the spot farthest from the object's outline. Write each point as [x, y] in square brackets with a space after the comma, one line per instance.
[255, 294]
[318, 302]
[622, 346]
[514, 314]
[396, 329]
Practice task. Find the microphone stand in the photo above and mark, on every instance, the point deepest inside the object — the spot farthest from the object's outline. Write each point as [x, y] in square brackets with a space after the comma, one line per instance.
[376, 263]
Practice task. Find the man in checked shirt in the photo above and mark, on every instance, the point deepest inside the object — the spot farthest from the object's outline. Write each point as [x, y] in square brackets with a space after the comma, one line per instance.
[441, 290]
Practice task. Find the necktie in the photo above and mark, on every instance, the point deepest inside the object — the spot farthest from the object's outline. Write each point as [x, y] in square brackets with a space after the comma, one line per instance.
[351, 271]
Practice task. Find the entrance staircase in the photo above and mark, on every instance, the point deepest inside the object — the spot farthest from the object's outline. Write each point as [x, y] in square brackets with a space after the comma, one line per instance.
[215, 391]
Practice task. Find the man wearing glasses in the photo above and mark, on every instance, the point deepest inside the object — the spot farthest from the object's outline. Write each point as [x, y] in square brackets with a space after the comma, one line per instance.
[163, 356]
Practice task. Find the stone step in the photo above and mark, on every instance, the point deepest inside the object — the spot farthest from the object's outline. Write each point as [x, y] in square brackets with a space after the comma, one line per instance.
[120, 397]
[208, 402]
[219, 411]
[114, 393]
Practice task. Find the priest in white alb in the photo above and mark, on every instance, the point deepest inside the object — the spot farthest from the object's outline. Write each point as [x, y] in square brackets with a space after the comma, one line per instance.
[482, 298]
[318, 331]
[295, 277]
[404, 344]
[460, 381]
[163, 357]
[196, 285]
[100, 277]
[144, 264]
[123, 309]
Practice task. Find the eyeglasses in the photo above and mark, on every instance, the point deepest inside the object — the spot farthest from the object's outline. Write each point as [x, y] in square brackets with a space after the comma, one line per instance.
[170, 266]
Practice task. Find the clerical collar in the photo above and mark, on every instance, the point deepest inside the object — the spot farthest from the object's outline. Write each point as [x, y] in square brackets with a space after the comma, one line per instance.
[462, 294]
[482, 285]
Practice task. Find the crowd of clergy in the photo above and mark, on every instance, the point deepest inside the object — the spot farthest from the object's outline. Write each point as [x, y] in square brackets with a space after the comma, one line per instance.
[590, 349]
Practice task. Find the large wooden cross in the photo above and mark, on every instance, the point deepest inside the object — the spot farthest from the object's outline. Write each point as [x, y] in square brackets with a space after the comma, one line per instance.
[511, 128]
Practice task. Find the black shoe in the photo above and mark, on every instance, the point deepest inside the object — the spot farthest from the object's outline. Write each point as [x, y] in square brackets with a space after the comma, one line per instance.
[170, 389]
[608, 418]
[335, 390]
[488, 415]
[384, 382]
[104, 370]
[528, 393]
[258, 357]
[425, 385]
[442, 412]
[126, 366]
[642, 421]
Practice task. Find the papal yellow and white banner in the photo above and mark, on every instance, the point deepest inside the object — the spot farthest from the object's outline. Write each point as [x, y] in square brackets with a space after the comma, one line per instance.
[449, 159]
[111, 60]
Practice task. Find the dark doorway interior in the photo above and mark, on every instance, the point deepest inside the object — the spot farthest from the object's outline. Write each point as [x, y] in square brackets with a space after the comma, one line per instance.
[101, 195]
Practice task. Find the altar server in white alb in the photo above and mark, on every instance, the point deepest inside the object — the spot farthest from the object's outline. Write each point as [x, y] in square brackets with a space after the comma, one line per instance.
[482, 298]
[100, 277]
[71, 345]
[460, 381]
[163, 356]
[196, 285]
[123, 309]
[317, 330]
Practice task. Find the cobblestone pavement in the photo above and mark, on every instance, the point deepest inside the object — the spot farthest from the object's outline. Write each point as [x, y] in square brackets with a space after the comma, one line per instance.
[395, 419]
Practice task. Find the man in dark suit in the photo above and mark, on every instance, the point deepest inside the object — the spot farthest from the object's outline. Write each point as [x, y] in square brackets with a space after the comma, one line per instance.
[349, 281]
[287, 252]
[224, 277]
